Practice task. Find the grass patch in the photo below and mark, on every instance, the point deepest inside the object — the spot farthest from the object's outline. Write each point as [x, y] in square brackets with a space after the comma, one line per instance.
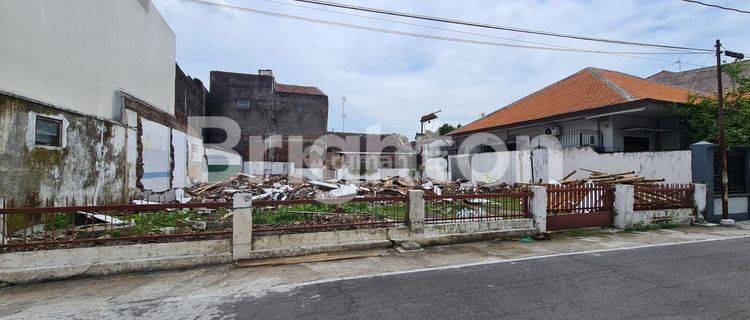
[579, 232]
[653, 226]
[283, 215]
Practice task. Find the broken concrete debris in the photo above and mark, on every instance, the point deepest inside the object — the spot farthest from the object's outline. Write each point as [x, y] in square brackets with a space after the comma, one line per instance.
[283, 187]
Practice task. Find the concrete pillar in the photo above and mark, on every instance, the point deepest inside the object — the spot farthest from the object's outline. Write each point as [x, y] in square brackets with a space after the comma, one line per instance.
[538, 207]
[416, 210]
[699, 201]
[242, 226]
[623, 206]
[702, 164]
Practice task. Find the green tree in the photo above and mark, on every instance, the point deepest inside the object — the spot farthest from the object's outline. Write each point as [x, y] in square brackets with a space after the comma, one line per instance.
[699, 116]
[445, 128]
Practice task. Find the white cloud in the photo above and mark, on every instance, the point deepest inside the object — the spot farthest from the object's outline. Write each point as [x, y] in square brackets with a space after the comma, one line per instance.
[392, 80]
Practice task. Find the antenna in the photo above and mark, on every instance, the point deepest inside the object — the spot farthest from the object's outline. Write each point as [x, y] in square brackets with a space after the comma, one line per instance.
[343, 114]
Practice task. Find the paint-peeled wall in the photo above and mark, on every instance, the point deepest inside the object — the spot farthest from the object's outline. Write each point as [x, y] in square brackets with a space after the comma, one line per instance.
[90, 162]
[197, 168]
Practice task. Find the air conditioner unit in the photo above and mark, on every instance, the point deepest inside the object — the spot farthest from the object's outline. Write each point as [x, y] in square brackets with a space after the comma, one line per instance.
[553, 131]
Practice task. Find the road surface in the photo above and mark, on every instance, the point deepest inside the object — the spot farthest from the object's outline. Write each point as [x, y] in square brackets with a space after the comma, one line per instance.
[608, 276]
[709, 280]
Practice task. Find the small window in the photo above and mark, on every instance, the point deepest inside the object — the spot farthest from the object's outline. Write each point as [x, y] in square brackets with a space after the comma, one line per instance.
[243, 104]
[48, 132]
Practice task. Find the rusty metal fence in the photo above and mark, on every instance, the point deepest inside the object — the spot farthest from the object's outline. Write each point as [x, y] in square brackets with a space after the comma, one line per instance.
[53, 227]
[513, 204]
[663, 196]
[573, 206]
[309, 215]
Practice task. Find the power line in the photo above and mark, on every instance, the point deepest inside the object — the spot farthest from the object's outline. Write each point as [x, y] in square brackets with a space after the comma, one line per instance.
[717, 6]
[457, 31]
[496, 27]
[427, 36]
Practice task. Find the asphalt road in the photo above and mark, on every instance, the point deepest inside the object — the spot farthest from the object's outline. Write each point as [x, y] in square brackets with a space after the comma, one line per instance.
[708, 280]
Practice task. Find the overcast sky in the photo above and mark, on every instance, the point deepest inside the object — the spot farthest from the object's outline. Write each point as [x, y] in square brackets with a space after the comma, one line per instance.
[390, 80]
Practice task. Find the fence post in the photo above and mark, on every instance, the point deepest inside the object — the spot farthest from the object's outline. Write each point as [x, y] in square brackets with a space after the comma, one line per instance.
[699, 201]
[416, 210]
[242, 226]
[623, 206]
[539, 207]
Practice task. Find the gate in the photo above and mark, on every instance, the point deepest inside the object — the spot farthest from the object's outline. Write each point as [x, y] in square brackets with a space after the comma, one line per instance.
[579, 206]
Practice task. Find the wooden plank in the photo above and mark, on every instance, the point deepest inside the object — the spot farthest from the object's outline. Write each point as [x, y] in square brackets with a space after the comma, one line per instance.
[303, 259]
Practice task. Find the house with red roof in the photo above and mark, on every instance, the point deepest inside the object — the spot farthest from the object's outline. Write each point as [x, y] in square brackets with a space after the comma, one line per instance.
[607, 110]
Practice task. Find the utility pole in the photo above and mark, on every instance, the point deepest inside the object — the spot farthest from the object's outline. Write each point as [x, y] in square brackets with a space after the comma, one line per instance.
[722, 141]
[722, 136]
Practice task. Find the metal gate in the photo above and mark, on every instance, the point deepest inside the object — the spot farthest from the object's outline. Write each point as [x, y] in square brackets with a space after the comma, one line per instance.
[579, 206]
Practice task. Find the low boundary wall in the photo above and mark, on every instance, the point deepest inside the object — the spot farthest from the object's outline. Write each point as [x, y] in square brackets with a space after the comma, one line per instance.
[43, 265]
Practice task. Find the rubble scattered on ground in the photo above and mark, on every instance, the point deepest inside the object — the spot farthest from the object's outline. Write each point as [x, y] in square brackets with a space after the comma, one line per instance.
[283, 187]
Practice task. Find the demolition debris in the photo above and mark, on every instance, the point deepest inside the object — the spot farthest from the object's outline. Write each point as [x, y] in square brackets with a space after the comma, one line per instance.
[284, 187]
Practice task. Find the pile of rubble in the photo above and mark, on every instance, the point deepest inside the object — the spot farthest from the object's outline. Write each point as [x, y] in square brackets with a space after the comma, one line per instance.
[285, 187]
[611, 178]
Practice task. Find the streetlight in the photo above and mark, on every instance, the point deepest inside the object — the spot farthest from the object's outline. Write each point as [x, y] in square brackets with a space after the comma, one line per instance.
[722, 139]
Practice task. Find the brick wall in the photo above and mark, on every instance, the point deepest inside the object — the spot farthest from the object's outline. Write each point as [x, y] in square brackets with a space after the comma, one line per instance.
[270, 112]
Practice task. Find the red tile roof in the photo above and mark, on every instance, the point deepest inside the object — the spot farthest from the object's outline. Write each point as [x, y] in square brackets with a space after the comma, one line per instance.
[289, 88]
[588, 89]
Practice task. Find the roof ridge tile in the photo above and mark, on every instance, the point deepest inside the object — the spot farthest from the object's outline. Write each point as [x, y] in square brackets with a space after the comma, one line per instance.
[622, 92]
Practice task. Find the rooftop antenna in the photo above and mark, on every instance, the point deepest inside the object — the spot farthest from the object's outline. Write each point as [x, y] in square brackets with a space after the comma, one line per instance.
[343, 114]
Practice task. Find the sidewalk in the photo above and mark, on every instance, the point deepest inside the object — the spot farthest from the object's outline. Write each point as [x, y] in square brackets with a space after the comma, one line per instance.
[196, 291]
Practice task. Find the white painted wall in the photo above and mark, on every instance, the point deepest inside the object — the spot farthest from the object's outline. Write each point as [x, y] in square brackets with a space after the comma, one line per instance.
[517, 166]
[736, 205]
[197, 167]
[508, 167]
[156, 155]
[436, 168]
[310, 173]
[674, 166]
[261, 168]
[222, 164]
[180, 171]
[75, 54]
[395, 172]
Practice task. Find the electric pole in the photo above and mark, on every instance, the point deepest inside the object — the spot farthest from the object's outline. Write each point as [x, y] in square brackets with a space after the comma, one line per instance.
[722, 139]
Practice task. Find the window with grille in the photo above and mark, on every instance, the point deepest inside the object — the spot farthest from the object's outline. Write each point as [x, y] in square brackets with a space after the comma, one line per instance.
[48, 132]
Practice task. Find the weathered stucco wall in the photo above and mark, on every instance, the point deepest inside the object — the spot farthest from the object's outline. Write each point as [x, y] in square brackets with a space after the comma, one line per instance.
[92, 161]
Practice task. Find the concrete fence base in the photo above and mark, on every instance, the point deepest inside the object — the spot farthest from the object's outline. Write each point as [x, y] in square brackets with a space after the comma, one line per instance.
[43, 265]
[626, 217]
